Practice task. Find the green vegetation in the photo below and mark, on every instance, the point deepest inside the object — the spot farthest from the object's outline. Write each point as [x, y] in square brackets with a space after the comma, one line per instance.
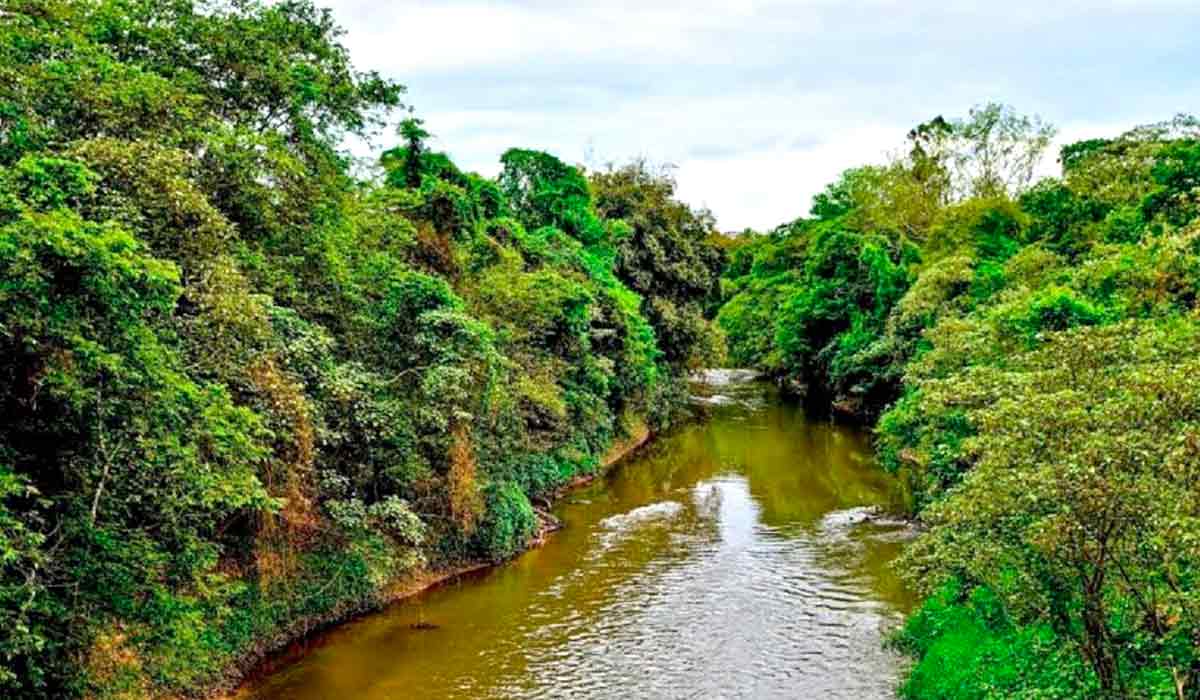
[245, 390]
[1028, 352]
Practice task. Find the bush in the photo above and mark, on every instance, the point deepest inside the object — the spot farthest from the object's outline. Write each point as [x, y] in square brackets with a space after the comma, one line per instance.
[508, 523]
[967, 649]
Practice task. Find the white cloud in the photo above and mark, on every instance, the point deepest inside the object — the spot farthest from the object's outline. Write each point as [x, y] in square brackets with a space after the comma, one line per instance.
[449, 36]
[760, 104]
[766, 188]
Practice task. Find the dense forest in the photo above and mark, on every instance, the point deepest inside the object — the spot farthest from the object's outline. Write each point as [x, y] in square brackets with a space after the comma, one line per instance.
[251, 384]
[248, 385]
[1027, 350]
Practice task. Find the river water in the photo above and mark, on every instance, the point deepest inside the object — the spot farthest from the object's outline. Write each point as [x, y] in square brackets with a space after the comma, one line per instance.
[744, 556]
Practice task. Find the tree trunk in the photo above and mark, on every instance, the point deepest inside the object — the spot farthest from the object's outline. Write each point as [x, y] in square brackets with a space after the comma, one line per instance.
[1098, 650]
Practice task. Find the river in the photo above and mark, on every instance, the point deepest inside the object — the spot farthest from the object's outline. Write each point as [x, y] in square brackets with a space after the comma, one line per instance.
[743, 556]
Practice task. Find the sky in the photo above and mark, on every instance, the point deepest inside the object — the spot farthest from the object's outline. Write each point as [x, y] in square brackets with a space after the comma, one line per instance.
[758, 105]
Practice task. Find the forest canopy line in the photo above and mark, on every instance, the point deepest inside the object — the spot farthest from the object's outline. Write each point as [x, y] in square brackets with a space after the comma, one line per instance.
[1027, 351]
[248, 385]
[244, 388]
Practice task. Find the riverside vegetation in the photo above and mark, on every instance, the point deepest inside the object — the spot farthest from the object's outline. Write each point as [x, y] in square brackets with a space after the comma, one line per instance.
[248, 385]
[1027, 351]
[245, 386]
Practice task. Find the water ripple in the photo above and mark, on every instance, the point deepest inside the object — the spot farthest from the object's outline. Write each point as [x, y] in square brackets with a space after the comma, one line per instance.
[739, 559]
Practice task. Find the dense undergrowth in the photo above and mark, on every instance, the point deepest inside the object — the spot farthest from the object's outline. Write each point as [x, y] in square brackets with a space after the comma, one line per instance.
[245, 386]
[248, 384]
[1028, 352]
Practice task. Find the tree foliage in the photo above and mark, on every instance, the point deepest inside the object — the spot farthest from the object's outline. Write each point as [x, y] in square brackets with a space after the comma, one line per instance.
[1026, 349]
[670, 256]
[242, 387]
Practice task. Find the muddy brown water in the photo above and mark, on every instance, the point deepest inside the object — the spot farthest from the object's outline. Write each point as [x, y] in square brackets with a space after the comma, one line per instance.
[744, 556]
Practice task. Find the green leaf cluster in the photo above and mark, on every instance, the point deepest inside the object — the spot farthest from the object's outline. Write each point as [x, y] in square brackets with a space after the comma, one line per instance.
[245, 384]
[1026, 351]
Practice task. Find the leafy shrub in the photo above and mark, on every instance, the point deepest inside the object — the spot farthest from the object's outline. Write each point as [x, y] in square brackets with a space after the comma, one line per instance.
[966, 647]
[1043, 417]
[509, 521]
[244, 389]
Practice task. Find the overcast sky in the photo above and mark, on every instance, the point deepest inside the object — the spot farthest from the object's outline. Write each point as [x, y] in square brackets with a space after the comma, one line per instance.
[760, 104]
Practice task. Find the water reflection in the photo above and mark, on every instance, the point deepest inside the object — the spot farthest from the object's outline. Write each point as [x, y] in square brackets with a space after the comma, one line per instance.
[739, 557]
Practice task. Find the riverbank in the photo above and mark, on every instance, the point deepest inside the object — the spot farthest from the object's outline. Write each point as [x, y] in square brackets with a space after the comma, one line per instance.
[740, 556]
[261, 659]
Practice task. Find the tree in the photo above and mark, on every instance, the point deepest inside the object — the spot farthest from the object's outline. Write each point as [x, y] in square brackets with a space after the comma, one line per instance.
[1071, 514]
[414, 135]
[992, 152]
[668, 258]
